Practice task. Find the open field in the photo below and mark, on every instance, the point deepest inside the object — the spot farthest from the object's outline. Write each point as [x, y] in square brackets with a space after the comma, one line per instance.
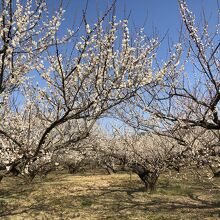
[64, 196]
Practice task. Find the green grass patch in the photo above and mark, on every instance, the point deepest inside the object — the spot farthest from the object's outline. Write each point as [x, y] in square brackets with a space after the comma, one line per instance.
[86, 202]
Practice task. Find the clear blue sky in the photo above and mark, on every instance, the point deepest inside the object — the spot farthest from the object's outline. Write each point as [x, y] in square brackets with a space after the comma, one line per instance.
[160, 14]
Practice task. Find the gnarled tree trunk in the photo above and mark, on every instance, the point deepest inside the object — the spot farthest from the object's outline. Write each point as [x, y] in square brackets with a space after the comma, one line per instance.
[148, 177]
[72, 168]
[215, 171]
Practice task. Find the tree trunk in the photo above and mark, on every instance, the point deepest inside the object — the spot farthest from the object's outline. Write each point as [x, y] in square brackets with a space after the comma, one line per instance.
[149, 178]
[14, 171]
[72, 169]
[144, 180]
[153, 181]
[150, 181]
[215, 171]
[110, 169]
[30, 177]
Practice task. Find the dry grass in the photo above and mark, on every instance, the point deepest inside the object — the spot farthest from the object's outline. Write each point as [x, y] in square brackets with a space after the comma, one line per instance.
[63, 196]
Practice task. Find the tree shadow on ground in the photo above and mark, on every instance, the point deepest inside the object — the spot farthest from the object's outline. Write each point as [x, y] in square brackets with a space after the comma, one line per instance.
[116, 200]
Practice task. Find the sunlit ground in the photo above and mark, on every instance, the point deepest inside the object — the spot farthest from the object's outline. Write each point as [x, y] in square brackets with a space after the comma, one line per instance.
[118, 196]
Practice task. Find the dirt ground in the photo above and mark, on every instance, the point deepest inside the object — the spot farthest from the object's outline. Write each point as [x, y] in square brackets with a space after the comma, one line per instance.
[117, 196]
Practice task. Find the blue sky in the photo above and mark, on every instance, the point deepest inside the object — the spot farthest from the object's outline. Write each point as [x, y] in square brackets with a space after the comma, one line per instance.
[160, 14]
